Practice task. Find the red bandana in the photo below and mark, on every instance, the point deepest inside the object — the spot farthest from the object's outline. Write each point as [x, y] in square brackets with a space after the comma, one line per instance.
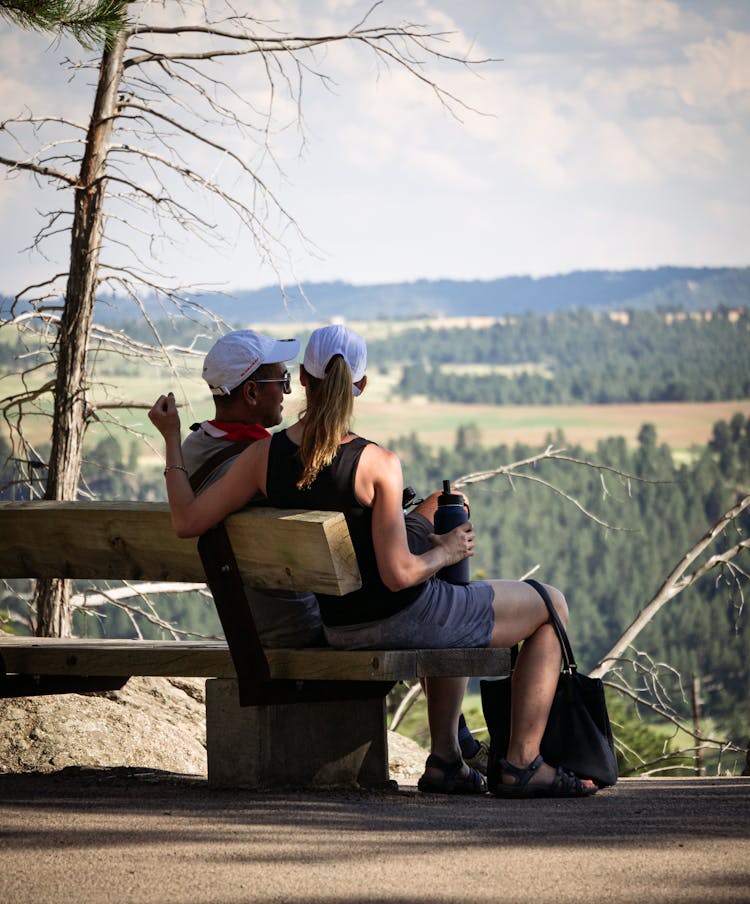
[237, 432]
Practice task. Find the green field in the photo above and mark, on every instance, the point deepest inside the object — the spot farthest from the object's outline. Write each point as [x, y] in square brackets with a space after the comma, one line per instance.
[680, 425]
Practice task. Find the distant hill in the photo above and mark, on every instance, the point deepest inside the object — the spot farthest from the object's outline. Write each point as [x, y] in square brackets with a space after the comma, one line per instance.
[682, 288]
[666, 287]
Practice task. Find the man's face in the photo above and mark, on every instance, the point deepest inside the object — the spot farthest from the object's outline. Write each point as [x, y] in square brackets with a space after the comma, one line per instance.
[269, 396]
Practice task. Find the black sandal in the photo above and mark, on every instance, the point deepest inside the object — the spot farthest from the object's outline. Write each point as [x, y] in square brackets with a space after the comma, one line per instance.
[452, 781]
[564, 784]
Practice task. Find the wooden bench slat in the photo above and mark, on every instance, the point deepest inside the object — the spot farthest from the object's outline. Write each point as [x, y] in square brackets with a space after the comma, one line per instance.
[54, 656]
[274, 548]
[458, 662]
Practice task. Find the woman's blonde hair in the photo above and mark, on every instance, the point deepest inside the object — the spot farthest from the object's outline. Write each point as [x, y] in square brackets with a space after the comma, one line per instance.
[330, 402]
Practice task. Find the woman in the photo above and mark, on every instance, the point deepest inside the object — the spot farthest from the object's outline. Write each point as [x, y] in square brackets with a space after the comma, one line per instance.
[318, 463]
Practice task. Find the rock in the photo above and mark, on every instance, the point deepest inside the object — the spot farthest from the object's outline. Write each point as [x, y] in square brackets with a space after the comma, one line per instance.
[151, 722]
[155, 723]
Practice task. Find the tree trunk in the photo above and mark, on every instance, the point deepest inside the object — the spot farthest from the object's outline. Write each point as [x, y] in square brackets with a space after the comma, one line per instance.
[53, 617]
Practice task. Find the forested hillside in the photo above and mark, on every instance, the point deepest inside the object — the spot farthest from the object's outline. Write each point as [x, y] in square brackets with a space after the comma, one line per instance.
[680, 288]
[570, 357]
[578, 356]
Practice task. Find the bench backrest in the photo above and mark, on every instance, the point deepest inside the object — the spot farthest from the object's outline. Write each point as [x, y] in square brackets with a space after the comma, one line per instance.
[274, 548]
[266, 547]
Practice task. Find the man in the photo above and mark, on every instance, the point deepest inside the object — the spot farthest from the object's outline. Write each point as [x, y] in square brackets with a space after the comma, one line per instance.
[246, 373]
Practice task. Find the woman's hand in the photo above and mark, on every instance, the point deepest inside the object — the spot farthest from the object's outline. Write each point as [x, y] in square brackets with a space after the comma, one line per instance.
[457, 544]
[164, 416]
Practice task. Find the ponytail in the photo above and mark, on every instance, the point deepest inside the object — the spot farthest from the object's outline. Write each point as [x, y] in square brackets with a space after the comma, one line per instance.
[330, 402]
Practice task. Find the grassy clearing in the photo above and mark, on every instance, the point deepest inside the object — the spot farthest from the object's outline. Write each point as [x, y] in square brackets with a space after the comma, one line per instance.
[382, 329]
[680, 425]
[503, 370]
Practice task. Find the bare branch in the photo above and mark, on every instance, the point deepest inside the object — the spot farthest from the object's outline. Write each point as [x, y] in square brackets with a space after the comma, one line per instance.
[625, 691]
[203, 139]
[552, 454]
[87, 601]
[513, 470]
[39, 170]
[573, 501]
[676, 582]
[406, 704]
[22, 398]
[36, 121]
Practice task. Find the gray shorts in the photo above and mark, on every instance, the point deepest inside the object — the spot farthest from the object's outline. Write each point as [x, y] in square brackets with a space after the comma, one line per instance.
[443, 616]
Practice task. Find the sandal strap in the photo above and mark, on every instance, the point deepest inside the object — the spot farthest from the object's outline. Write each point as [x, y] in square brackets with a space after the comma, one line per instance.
[567, 782]
[452, 782]
[476, 778]
[449, 770]
[563, 783]
[522, 775]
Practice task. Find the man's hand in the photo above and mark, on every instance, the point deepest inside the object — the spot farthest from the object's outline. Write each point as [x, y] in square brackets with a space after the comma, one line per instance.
[457, 544]
[164, 416]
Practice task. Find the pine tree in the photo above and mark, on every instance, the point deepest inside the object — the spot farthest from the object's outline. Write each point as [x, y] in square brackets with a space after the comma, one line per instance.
[93, 24]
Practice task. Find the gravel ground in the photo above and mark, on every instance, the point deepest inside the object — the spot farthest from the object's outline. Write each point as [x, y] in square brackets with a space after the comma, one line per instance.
[103, 798]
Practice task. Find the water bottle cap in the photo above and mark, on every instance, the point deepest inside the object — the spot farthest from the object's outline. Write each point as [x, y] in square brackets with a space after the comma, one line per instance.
[448, 498]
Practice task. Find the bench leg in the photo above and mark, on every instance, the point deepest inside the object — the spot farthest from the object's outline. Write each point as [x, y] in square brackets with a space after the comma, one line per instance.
[320, 743]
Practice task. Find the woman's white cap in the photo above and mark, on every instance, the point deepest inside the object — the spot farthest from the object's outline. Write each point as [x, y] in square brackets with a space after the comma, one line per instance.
[239, 354]
[328, 341]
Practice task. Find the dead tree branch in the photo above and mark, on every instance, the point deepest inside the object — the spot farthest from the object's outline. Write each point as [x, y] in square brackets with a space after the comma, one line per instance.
[677, 581]
[515, 470]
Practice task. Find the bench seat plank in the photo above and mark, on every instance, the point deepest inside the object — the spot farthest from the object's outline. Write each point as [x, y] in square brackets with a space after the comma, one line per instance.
[274, 548]
[83, 657]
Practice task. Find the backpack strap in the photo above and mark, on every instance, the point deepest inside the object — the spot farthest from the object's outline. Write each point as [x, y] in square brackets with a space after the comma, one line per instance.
[199, 477]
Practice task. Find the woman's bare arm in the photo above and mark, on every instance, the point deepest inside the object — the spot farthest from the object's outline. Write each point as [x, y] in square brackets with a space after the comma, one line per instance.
[379, 482]
[192, 515]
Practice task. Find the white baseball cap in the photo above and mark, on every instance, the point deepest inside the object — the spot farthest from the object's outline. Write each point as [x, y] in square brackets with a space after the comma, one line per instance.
[328, 341]
[237, 355]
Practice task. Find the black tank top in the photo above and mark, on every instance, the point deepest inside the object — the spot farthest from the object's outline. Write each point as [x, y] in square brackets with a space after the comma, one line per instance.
[333, 491]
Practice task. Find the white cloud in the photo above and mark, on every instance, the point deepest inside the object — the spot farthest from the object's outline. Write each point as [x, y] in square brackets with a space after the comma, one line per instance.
[616, 21]
[718, 73]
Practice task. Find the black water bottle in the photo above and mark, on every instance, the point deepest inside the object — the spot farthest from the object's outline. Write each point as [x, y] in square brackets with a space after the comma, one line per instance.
[451, 512]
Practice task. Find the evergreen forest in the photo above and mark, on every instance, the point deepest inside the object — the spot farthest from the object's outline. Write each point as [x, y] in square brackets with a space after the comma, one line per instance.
[578, 357]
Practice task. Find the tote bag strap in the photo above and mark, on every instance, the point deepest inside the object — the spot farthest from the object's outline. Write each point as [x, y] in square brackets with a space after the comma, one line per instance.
[569, 663]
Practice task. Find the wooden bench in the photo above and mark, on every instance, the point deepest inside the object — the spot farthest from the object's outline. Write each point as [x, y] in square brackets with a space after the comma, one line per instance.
[273, 717]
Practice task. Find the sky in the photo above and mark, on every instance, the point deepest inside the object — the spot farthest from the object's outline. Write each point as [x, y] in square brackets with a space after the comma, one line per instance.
[609, 134]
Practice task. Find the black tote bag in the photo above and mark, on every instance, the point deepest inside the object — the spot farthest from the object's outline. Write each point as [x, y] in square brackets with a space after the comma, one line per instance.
[578, 735]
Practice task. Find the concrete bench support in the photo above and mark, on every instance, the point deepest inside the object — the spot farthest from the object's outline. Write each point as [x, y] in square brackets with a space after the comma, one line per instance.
[321, 743]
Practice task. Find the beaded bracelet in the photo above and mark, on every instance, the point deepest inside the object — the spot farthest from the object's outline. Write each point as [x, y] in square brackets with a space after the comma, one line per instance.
[174, 468]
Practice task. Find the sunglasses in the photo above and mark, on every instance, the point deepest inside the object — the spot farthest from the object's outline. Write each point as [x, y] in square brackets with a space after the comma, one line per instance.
[286, 382]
